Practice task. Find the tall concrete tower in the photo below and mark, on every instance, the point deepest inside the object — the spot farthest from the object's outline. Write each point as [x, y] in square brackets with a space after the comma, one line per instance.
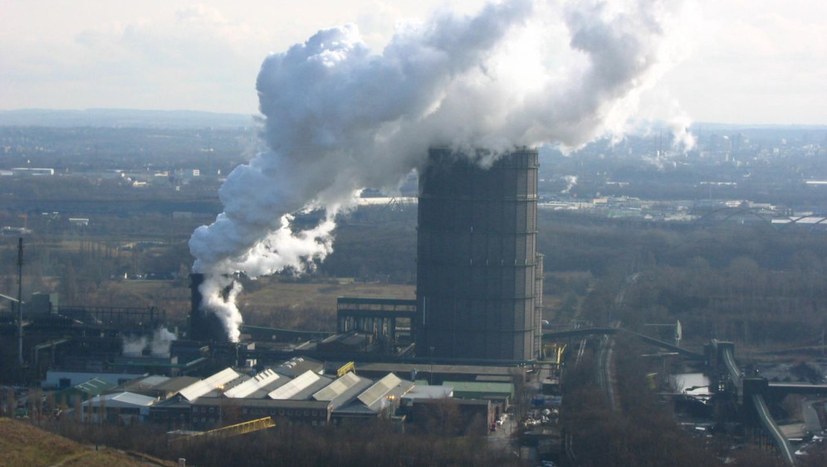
[479, 287]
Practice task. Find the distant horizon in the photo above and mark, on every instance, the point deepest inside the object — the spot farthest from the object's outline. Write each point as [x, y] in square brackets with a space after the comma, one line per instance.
[29, 112]
[736, 62]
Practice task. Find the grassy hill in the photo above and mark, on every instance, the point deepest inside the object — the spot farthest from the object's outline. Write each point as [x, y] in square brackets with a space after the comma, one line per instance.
[23, 444]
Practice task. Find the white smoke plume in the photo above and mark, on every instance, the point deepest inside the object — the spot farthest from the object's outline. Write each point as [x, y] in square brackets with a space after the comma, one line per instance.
[339, 116]
[158, 344]
[571, 182]
[133, 346]
[161, 342]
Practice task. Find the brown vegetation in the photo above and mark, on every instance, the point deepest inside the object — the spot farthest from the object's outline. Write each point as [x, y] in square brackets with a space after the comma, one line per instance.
[378, 443]
[643, 432]
[23, 444]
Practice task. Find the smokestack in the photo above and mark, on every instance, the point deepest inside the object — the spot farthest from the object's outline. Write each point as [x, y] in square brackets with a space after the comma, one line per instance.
[204, 326]
[510, 75]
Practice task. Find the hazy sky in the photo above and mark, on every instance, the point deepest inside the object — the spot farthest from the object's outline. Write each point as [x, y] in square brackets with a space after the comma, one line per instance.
[744, 61]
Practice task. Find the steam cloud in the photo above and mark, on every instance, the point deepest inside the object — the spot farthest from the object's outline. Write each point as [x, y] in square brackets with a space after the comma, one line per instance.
[158, 344]
[338, 117]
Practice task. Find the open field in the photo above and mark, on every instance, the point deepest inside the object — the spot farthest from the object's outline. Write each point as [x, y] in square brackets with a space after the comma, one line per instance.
[308, 305]
[320, 295]
[266, 302]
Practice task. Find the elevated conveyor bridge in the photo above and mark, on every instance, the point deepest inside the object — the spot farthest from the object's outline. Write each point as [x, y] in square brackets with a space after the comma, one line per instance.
[751, 392]
[592, 331]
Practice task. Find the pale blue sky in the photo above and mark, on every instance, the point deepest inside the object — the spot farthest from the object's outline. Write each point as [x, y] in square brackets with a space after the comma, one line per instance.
[740, 61]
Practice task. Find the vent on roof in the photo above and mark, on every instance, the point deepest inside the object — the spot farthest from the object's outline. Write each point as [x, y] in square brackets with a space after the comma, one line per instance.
[253, 384]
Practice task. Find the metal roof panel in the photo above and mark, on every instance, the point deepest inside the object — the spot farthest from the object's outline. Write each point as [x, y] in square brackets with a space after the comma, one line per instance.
[253, 384]
[379, 390]
[200, 388]
[336, 388]
[295, 386]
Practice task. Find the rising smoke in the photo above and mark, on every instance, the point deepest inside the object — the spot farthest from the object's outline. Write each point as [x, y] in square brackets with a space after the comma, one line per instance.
[157, 345]
[338, 116]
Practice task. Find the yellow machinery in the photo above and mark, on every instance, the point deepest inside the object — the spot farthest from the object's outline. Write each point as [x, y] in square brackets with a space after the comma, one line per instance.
[554, 353]
[346, 368]
[237, 429]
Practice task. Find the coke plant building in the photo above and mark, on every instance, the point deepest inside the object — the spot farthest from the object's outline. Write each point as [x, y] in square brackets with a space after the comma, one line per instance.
[479, 276]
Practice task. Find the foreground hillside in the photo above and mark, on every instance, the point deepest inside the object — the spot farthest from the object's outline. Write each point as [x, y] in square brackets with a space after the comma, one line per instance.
[25, 445]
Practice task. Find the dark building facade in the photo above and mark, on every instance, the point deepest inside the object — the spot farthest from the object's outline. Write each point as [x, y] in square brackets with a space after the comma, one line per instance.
[479, 287]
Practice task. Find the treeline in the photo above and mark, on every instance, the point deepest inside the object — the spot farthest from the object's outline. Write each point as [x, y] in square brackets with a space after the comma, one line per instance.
[379, 443]
[88, 271]
[753, 284]
[87, 148]
[375, 244]
[84, 196]
[643, 432]
[750, 283]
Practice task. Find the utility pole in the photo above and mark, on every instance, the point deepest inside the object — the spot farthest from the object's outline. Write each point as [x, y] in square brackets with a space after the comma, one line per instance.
[20, 301]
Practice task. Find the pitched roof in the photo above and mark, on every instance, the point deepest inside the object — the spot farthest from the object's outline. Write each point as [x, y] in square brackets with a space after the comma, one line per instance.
[379, 389]
[120, 400]
[94, 386]
[295, 386]
[202, 387]
[337, 388]
[262, 392]
[309, 390]
[176, 384]
[145, 384]
[253, 384]
[344, 390]
[154, 380]
[424, 391]
[298, 365]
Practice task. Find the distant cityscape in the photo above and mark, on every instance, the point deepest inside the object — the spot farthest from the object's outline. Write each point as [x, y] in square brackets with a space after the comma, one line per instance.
[774, 174]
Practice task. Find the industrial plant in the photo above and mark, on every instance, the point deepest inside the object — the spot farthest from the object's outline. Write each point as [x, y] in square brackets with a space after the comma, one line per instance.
[370, 266]
[473, 334]
[479, 276]
[470, 334]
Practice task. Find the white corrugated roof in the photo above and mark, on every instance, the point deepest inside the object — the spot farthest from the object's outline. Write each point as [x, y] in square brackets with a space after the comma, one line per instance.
[120, 400]
[380, 389]
[430, 392]
[295, 386]
[337, 388]
[199, 388]
[253, 384]
[152, 381]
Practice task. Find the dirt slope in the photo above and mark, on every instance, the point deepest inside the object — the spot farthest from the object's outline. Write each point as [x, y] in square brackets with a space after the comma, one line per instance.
[22, 444]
